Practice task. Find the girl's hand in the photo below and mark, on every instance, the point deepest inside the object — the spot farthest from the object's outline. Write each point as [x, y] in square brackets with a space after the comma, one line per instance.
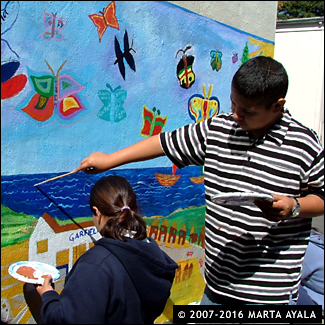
[46, 285]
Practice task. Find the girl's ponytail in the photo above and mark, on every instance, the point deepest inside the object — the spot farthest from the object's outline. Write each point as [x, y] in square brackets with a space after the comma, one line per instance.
[115, 198]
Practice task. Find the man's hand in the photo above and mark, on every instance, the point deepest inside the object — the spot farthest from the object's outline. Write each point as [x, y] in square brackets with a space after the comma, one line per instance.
[95, 163]
[280, 208]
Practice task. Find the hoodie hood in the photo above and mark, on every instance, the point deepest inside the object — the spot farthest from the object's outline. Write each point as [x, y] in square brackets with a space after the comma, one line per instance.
[152, 271]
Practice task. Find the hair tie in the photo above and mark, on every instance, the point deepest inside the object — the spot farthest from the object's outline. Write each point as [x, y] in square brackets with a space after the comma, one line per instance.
[125, 207]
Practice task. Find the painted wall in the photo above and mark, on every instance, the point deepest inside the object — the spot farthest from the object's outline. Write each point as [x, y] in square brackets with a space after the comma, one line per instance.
[72, 84]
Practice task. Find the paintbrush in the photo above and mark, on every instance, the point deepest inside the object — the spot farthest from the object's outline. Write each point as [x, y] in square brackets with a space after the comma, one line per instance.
[60, 208]
[54, 178]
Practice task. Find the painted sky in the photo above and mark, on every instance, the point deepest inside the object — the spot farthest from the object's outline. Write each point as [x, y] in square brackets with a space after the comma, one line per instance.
[156, 31]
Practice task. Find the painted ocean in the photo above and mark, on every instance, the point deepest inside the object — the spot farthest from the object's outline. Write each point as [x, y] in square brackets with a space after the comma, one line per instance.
[71, 193]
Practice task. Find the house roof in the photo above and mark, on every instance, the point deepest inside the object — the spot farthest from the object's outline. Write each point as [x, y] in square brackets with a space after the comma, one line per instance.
[68, 227]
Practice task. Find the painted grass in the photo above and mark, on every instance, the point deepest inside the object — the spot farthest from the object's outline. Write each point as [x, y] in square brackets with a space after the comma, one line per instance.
[17, 227]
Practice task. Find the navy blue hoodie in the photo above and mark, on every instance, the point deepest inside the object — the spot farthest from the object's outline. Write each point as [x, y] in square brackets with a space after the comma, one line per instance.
[114, 282]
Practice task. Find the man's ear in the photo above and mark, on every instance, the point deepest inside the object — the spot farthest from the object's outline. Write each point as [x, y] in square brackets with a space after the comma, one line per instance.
[278, 105]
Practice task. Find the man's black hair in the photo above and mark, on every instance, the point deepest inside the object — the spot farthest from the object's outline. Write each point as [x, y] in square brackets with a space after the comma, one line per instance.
[261, 78]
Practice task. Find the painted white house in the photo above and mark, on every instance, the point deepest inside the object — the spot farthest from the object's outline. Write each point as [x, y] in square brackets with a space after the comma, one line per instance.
[60, 245]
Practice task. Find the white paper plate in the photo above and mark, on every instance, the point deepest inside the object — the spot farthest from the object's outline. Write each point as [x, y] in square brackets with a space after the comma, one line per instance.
[239, 198]
[23, 271]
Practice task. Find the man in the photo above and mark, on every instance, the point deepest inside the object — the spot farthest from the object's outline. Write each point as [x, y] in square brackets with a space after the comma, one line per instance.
[253, 253]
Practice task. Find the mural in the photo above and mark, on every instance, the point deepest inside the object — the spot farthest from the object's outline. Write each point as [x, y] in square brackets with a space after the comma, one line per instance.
[78, 77]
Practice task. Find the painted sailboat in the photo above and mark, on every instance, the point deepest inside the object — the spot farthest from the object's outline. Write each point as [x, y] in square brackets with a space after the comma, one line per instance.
[198, 179]
[168, 179]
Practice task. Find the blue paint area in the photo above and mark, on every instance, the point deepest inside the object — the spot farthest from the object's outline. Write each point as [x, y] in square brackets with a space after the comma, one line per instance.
[72, 192]
[156, 30]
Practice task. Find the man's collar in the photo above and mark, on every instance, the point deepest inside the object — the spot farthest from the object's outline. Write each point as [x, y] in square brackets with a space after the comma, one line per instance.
[280, 129]
[276, 134]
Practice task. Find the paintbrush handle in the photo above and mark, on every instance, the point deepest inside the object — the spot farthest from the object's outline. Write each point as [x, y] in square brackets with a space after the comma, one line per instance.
[54, 178]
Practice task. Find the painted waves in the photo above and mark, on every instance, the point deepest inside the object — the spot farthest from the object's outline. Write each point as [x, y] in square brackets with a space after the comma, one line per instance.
[70, 194]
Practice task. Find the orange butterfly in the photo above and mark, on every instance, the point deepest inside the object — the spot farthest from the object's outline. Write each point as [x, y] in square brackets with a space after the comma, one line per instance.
[107, 18]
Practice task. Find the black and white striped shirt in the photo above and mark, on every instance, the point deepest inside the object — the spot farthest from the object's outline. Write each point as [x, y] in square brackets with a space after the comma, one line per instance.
[248, 257]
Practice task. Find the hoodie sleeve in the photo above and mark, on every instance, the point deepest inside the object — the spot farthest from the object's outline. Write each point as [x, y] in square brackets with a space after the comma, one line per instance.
[83, 299]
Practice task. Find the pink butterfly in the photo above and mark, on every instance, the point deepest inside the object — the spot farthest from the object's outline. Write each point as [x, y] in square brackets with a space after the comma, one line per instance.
[53, 92]
[54, 24]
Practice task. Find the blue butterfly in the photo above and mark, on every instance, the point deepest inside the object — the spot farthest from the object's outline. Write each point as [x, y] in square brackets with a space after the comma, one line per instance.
[113, 104]
[126, 55]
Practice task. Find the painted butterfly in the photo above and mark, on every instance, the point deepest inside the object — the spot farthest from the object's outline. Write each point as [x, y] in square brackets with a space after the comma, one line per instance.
[126, 55]
[53, 91]
[201, 107]
[216, 62]
[54, 24]
[106, 18]
[113, 101]
[185, 73]
[234, 57]
[153, 122]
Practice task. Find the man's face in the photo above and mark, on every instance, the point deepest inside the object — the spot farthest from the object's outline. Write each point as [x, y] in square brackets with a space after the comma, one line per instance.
[252, 115]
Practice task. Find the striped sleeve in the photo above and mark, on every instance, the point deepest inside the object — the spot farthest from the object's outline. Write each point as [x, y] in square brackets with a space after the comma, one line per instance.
[187, 145]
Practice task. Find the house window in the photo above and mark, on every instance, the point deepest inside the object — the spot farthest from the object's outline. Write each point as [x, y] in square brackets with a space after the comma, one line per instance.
[62, 257]
[78, 251]
[42, 246]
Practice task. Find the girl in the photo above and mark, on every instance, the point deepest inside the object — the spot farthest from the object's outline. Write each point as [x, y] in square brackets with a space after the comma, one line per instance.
[124, 278]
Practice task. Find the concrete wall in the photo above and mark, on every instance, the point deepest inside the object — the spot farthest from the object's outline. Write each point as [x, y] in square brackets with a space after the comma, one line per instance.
[299, 45]
[255, 17]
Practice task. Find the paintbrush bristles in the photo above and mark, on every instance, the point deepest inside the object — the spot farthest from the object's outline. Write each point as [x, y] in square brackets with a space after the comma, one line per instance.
[54, 178]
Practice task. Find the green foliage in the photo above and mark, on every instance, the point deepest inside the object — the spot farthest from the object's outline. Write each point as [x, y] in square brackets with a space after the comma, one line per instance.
[245, 56]
[15, 227]
[300, 9]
